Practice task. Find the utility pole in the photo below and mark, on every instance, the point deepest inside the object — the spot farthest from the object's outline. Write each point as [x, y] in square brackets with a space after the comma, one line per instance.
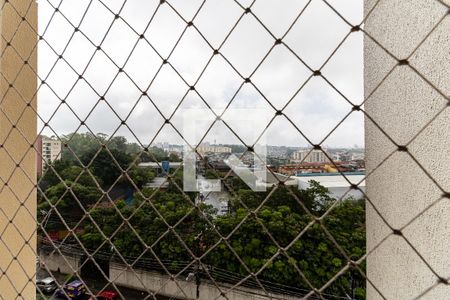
[197, 279]
[352, 286]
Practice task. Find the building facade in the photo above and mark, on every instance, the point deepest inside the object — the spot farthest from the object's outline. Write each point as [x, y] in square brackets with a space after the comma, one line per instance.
[213, 149]
[49, 150]
[309, 156]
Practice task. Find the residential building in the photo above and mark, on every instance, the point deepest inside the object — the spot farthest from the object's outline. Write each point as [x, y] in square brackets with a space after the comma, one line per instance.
[309, 156]
[344, 156]
[48, 150]
[206, 148]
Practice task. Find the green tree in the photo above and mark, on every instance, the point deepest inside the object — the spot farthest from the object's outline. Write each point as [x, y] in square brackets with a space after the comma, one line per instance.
[151, 223]
[51, 173]
[141, 176]
[83, 177]
[107, 164]
[78, 144]
[118, 143]
[69, 199]
[314, 199]
[154, 154]
[280, 221]
[174, 157]
[212, 174]
[314, 253]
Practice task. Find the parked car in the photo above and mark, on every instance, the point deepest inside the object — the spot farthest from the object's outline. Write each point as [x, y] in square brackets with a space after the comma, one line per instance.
[74, 290]
[46, 285]
[106, 295]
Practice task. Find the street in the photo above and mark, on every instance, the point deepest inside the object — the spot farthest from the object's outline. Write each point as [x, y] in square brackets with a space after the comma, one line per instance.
[218, 200]
[95, 285]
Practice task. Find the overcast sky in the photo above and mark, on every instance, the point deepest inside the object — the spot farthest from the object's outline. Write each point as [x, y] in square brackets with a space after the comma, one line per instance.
[315, 110]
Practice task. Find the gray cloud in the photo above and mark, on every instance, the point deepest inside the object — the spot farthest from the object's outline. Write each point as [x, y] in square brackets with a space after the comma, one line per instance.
[316, 109]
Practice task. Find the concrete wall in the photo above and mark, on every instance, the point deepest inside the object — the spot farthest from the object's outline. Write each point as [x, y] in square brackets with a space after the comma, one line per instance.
[153, 281]
[55, 262]
[17, 159]
[399, 188]
[161, 284]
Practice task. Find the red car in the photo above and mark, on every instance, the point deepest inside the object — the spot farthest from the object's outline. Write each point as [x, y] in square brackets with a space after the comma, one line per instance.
[106, 295]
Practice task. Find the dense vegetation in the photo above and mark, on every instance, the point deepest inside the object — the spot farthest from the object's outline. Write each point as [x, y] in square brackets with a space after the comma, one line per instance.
[86, 172]
[256, 228]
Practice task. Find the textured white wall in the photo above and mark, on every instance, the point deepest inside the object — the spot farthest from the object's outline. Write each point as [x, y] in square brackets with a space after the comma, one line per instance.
[399, 188]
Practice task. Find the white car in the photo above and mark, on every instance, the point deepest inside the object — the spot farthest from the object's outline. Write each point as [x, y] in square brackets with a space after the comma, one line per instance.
[47, 285]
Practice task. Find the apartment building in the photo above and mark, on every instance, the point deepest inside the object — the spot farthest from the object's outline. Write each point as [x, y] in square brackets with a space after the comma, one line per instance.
[314, 156]
[213, 149]
[49, 150]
